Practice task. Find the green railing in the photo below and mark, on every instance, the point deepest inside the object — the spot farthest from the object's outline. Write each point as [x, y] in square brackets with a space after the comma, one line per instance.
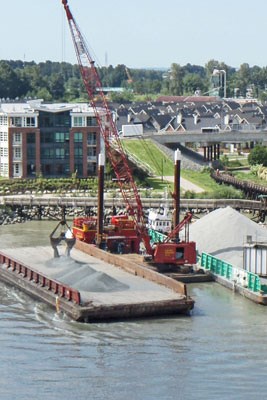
[155, 236]
[228, 271]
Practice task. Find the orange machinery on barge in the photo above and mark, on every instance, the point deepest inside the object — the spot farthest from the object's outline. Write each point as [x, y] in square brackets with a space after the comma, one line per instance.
[119, 236]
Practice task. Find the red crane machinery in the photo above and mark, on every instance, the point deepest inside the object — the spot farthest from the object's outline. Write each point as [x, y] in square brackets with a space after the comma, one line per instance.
[171, 251]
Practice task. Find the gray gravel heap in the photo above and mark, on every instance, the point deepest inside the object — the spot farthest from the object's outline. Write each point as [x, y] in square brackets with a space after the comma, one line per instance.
[223, 232]
[83, 276]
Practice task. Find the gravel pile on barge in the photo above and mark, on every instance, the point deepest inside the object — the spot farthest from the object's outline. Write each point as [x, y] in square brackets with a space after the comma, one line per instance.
[223, 232]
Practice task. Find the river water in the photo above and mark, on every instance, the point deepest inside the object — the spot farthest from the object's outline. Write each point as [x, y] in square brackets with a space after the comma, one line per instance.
[219, 352]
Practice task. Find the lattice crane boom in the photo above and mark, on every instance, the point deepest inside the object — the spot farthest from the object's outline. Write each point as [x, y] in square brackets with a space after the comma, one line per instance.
[163, 253]
[108, 129]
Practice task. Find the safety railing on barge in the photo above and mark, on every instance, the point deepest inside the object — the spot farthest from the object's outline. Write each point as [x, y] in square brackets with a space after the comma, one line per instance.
[238, 275]
[38, 278]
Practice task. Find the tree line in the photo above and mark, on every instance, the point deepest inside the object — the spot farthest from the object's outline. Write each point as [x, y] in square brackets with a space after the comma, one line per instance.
[61, 81]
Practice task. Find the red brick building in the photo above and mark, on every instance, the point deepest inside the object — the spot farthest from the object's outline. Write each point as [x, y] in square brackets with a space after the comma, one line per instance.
[54, 140]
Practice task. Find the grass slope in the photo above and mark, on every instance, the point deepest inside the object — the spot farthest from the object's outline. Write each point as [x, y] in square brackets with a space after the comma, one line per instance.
[146, 151]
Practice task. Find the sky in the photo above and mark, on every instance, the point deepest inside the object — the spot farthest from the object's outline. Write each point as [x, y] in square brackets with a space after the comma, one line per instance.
[137, 33]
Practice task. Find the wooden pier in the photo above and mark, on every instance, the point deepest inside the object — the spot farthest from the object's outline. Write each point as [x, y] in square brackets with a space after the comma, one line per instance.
[83, 202]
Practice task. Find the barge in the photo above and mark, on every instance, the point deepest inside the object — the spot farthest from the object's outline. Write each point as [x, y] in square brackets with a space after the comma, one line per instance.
[92, 284]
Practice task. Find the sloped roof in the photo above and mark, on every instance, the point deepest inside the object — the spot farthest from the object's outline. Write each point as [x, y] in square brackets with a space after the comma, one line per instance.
[231, 104]
[141, 118]
[161, 120]
[190, 124]
[194, 99]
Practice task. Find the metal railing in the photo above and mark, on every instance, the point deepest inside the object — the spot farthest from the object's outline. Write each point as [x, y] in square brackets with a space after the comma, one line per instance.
[155, 236]
[239, 276]
[38, 278]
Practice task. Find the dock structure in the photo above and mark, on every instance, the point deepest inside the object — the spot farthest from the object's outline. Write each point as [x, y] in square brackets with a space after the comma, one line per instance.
[83, 202]
[93, 285]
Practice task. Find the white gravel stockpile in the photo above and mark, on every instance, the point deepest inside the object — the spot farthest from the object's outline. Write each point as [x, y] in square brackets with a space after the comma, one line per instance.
[223, 232]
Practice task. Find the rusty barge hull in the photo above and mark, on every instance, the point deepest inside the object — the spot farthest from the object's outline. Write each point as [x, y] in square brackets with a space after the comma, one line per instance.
[166, 297]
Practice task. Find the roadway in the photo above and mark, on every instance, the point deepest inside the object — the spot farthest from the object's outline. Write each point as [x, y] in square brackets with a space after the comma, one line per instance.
[205, 138]
[185, 184]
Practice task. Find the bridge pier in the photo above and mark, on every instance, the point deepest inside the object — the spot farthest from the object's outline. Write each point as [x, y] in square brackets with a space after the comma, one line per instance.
[212, 152]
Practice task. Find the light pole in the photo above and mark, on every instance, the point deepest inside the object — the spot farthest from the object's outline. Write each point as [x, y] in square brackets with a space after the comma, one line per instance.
[221, 73]
[162, 168]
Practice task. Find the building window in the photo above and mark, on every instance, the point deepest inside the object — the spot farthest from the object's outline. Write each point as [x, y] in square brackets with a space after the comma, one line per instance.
[91, 139]
[47, 137]
[16, 121]
[29, 121]
[3, 137]
[17, 138]
[78, 121]
[16, 169]
[59, 137]
[47, 153]
[31, 138]
[91, 121]
[3, 151]
[91, 169]
[78, 168]
[60, 153]
[17, 152]
[78, 152]
[3, 120]
[91, 152]
[78, 137]
[3, 169]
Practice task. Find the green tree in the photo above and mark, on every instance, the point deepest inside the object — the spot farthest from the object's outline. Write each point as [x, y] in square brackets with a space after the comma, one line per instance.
[11, 86]
[258, 155]
[176, 80]
[36, 81]
[44, 94]
[56, 86]
[121, 97]
[73, 89]
[191, 83]
[243, 78]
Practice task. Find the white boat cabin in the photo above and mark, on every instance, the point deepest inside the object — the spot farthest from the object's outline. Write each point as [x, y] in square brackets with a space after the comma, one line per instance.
[160, 220]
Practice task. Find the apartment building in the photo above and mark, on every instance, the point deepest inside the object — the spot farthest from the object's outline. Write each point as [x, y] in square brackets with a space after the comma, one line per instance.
[54, 140]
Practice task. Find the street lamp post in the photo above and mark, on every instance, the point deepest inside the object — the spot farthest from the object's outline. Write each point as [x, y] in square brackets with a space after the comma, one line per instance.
[221, 73]
[162, 169]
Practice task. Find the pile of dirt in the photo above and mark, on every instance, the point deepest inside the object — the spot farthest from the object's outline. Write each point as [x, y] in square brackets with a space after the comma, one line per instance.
[223, 232]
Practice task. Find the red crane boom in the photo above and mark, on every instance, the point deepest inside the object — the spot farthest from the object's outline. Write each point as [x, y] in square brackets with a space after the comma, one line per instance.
[108, 129]
[163, 253]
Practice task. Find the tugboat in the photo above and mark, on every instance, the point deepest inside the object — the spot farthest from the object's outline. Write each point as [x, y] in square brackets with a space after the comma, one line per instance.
[160, 220]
